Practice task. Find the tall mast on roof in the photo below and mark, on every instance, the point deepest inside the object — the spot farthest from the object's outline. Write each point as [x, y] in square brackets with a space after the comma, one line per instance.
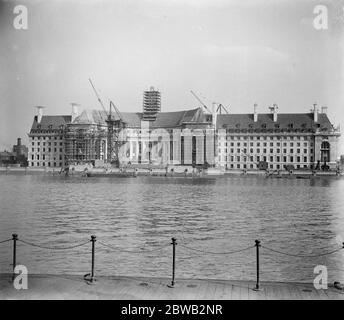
[110, 120]
[110, 124]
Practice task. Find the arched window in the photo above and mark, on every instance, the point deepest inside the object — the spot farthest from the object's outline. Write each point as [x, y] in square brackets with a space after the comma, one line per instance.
[325, 151]
[325, 145]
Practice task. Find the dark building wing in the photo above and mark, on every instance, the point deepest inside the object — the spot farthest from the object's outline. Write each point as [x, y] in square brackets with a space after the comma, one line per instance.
[50, 123]
[285, 121]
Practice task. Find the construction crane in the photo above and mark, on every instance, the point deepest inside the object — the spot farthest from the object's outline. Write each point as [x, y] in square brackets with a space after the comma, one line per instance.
[111, 122]
[200, 101]
[221, 107]
[108, 114]
[119, 115]
[97, 95]
[114, 131]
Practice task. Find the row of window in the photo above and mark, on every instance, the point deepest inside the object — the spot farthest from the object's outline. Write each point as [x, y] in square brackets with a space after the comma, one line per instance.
[277, 126]
[265, 144]
[258, 150]
[44, 150]
[284, 159]
[254, 166]
[49, 137]
[49, 143]
[266, 137]
[48, 164]
[43, 157]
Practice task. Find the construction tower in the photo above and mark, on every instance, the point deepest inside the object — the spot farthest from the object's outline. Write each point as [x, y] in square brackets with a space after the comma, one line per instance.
[151, 104]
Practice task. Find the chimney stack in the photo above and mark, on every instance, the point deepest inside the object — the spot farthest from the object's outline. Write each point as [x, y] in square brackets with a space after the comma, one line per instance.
[75, 110]
[274, 110]
[39, 113]
[315, 112]
[324, 110]
[255, 114]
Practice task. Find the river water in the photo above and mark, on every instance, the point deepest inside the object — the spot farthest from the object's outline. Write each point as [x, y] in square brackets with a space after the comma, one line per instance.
[134, 220]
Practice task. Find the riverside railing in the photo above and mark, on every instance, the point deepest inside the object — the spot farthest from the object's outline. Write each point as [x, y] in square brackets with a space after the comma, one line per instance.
[90, 277]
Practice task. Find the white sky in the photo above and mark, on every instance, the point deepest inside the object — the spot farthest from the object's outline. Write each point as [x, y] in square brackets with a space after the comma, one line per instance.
[233, 52]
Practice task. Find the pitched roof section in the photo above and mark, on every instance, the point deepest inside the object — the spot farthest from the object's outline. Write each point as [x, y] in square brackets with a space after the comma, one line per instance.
[302, 121]
[163, 120]
[99, 117]
[178, 118]
[50, 122]
[89, 117]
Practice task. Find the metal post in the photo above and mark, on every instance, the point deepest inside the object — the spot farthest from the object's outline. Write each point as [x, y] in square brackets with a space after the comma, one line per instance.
[257, 256]
[14, 238]
[93, 240]
[174, 243]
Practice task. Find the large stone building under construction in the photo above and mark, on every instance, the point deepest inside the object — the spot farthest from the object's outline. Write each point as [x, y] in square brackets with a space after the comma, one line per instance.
[190, 137]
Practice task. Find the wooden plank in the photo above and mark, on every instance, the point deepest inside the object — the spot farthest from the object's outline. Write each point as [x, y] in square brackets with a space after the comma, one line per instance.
[254, 294]
[293, 294]
[52, 287]
[282, 291]
[218, 288]
[210, 291]
[314, 294]
[323, 295]
[275, 294]
[227, 292]
[158, 291]
[300, 290]
[307, 292]
[183, 291]
[244, 291]
[220, 291]
[269, 291]
[236, 291]
[202, 285]
[124, 288]
[142, 291]
[334, 294]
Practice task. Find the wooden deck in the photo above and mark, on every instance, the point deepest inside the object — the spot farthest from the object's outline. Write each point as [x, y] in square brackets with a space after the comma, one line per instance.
[140, 288]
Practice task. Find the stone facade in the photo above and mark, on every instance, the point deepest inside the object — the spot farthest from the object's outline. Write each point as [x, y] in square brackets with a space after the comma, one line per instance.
[190, 137]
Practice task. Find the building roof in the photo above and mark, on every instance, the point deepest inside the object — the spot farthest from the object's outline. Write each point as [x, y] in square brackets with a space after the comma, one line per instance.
[50, 122]
[285, 121]
[177, 118]
[302, 121]
[93, 116]
[133, 119]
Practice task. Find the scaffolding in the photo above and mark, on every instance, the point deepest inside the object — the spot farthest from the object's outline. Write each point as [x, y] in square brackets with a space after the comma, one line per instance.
[85, 143]
[151, 104]
[116, 138]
